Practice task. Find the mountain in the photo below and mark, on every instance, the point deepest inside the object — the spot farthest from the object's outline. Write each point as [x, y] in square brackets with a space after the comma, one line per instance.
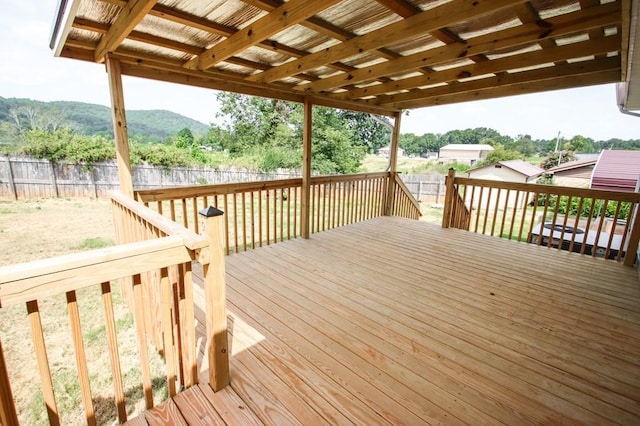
[94, 119]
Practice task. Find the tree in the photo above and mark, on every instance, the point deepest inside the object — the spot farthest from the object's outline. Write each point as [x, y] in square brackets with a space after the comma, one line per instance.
[579, 144]
[499, 153]
[184, 138]
[556, 158]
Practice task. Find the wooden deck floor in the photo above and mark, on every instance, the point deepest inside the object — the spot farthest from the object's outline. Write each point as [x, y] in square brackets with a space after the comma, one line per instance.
[392, 321]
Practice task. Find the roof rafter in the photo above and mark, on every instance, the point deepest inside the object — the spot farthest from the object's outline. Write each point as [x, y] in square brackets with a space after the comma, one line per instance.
[289, 14]
[571, 81]
[576, 22]
[130, 15]
[539, 57]
[517, 78]
[425, 22]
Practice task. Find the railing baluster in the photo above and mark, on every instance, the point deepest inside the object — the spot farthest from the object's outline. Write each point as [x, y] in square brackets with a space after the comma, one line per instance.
[587, 230]
[514, 214]
[504, 212]
[81, 358]
[603, 211]
[138, 314]
[267, 216]
[8, 414]
[114, 357]
[613, 230]
[253, 220]
[194, 216]
[553, 220]
[289, 195]
[185, 217]
[275, 216]
[43, 362]
[295, 212]
[226, 223]
[281, 214]
[244, 221]
[260, 217]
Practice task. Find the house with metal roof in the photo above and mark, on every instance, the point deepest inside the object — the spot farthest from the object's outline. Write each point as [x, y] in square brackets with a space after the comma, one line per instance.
[573, 173]
[617, 171]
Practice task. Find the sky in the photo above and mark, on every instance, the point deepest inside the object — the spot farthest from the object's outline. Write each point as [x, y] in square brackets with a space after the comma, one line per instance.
[29, 70]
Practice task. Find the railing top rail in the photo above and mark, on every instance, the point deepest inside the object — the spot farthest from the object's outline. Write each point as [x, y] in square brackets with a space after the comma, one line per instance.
[347, 178]
[190, 239]
[410, 196]
[176, 193]
[28, 281]
[632, 197]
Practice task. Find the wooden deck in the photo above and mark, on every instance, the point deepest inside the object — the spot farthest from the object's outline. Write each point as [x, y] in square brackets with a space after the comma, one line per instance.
[393, 321]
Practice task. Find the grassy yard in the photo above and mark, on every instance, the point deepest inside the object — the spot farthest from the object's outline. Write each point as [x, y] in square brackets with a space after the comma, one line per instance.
[38, 229]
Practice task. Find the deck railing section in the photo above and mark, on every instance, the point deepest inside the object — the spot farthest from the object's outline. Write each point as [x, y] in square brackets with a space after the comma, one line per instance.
[590, 222]
[404, 203]
[268, 212]
[152, 246]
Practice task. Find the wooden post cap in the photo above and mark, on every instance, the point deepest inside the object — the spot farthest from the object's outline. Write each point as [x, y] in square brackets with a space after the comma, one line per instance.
[211, 212]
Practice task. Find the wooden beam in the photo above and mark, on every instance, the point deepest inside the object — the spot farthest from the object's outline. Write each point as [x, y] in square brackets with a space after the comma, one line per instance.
[305, 197]
[393, 163]
[535, 58]
[120, 126]
[425, 22]
[569, 82]
[626, 34]
[509, 79]
[522, 35]
[129, 17]
[287, 15]
[401, 7]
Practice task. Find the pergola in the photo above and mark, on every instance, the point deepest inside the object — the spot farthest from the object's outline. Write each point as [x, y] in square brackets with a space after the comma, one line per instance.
[380, 57]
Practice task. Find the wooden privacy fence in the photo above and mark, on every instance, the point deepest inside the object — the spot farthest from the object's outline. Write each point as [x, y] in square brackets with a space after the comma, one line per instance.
[154, 266]
[28, 178]
[426, 188]
[261, 213]
[586, 221]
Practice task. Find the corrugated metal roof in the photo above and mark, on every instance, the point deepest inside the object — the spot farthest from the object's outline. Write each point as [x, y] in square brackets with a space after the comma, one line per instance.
[375, 56]
[573, 165]
[519, 166]
[617, 171]
[468, 147]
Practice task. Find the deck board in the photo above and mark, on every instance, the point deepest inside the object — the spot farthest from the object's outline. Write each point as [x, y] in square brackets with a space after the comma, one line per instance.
[392, 321]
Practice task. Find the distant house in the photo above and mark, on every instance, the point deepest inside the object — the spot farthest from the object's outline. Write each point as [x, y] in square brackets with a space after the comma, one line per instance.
[507, 171]
[465, 153]
[504, 171]
[617, 171]
[386, 151]
[574, 173]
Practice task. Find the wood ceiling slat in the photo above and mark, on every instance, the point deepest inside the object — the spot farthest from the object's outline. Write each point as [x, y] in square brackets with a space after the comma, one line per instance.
[569, 82]
[289, 14]
[559, 53]
[130, 15]
[576, 22]
[507, 79]
[424, 22]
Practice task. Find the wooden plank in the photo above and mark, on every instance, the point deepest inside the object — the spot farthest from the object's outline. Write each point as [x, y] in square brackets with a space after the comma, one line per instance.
[46, 382]
[127, 19]
[120, 120]
[230, 406]
[44, 278]
[306, 183]
[141, 339]
[165, 414]
[196, 409]
[114, 357]
[284, 16]
[428, 21]
[81, 358]
[8, 414]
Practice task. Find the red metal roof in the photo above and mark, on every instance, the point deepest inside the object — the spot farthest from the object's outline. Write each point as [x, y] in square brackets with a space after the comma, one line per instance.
[617, 171]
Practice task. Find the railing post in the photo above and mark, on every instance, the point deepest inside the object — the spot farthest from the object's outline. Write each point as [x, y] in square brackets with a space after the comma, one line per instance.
[391, 194]
[8, 415]
[215, 300]
[448, 199]
[305, 196]
[634, 238]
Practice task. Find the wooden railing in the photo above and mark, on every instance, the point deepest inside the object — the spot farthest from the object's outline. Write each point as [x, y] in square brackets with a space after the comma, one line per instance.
[157, 254]
[589, 222]
[268, 212]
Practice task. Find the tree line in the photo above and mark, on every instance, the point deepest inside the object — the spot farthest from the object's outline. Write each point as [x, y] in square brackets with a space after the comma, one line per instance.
[266, 134]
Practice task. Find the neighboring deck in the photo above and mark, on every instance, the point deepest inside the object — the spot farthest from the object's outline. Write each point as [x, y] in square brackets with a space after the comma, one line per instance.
[402, 322]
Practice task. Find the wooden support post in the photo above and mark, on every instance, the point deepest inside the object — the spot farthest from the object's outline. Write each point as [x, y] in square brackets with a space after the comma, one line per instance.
[12, 184]
[305, 198]
[215, 300]
[120, 126]
[393, 164]
[8, 415]
[448, 199]
[634, 238]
